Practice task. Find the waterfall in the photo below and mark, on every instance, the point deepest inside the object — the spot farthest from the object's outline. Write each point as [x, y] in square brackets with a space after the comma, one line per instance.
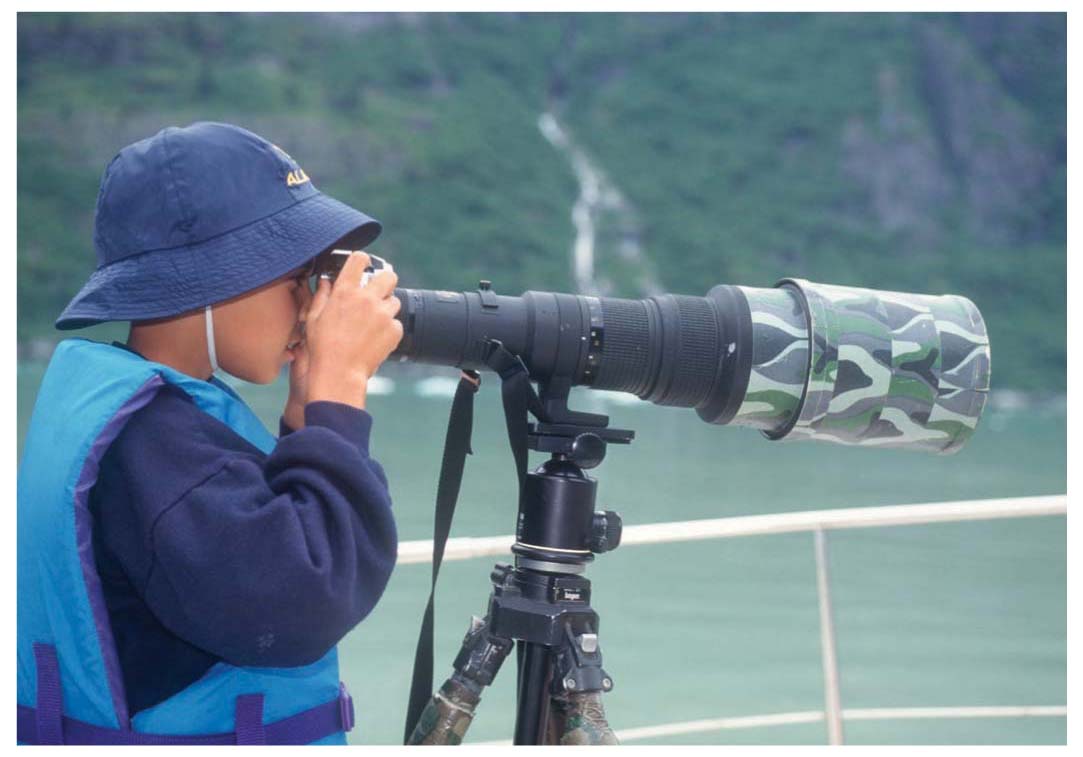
[598, 201]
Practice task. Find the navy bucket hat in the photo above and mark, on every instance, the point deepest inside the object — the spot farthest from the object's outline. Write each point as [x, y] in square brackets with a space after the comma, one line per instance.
[194, 216]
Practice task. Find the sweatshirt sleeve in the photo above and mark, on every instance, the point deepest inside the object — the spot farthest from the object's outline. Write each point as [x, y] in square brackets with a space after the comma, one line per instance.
[260, 560]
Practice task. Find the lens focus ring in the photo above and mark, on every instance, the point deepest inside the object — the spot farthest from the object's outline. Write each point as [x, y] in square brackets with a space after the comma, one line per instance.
[624, 362]
[696, 362]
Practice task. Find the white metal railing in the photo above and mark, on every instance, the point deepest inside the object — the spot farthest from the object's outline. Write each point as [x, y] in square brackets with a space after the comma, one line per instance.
[467, 548]
[816, 716]
[818, 522]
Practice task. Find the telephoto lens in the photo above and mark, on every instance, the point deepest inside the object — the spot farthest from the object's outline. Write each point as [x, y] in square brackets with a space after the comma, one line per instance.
[796, 361]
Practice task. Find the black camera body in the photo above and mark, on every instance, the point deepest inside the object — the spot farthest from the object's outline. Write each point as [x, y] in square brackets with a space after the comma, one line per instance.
[334, 262]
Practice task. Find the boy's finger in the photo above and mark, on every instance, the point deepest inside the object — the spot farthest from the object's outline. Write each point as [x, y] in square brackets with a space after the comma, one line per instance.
[393, 305]
[353, 269]
[319, 300]
[383, 282]
[299, 366]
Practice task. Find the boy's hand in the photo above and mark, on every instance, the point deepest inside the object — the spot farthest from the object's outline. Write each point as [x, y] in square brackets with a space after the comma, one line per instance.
[294, 414]
[350, 330]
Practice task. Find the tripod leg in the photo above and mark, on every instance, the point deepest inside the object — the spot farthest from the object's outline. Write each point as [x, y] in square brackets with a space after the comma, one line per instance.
[578, 716]
[579, 720]
[447, 716]
[450, 712]
[532, 707]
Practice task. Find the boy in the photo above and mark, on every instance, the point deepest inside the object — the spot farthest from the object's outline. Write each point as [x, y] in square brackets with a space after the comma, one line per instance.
[183, 575]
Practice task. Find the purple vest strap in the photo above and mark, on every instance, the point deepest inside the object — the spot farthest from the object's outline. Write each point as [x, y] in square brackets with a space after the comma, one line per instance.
[248, 720]
[48, 728]
[46, 724]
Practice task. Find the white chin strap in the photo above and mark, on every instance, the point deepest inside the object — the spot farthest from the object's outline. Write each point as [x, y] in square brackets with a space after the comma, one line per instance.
[209, 320]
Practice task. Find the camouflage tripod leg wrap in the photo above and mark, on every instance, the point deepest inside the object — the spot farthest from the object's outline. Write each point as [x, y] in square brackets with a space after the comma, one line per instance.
[890, 369]
[447, 716]
[578, 719]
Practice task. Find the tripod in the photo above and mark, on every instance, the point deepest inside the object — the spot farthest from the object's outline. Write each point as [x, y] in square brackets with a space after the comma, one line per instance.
[541, 605]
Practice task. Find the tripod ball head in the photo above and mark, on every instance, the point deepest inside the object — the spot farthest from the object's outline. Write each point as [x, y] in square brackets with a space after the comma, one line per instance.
[605, 532]
[587, 450]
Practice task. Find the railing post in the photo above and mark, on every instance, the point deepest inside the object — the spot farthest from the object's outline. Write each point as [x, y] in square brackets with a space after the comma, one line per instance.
[832, 700]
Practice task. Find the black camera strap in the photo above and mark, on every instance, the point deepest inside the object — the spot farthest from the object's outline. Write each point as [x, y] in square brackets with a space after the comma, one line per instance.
[456, 448]
[519, 398]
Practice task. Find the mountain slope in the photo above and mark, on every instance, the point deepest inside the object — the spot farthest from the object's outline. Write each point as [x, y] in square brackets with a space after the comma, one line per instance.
[922, 153]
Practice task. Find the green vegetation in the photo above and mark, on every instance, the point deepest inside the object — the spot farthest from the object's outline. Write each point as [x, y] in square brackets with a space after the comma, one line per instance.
[917, 153]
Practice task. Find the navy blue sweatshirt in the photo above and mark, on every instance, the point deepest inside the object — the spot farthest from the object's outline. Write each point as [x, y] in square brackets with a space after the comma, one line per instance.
[209, 550]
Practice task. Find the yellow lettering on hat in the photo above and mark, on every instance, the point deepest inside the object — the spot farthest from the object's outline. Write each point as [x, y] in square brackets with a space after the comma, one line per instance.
[293, 178]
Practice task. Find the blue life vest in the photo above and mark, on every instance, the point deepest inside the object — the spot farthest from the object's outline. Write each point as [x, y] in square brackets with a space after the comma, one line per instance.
[70, 684]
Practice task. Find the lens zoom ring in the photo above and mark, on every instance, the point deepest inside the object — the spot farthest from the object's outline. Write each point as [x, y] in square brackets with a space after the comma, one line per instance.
[624, 362]
[697, 358]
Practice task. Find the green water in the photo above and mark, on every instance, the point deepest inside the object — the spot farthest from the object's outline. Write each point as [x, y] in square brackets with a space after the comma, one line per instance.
[957, 614]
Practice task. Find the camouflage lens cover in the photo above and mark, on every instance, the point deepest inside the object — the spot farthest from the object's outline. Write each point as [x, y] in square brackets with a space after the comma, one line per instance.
[890, 369]
[776, 381]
